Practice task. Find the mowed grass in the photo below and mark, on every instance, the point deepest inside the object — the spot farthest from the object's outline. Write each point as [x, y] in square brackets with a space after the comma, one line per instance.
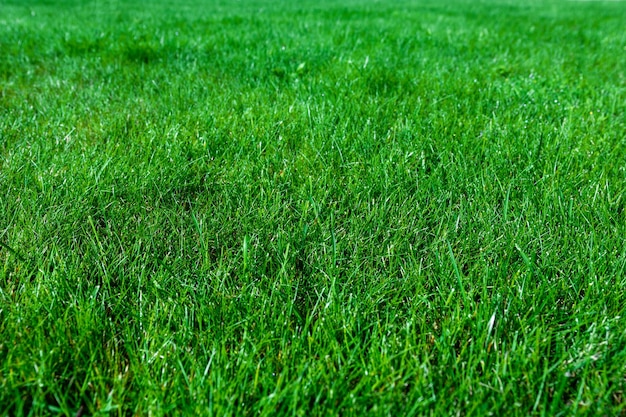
[312, 208]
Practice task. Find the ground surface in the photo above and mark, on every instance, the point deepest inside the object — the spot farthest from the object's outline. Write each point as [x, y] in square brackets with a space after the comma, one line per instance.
[259, 207]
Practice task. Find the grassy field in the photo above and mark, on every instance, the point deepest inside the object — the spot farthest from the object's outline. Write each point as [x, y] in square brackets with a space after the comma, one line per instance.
[325, 207]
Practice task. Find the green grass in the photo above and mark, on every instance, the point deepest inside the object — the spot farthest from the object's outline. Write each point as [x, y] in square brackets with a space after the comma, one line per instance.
[312, 208]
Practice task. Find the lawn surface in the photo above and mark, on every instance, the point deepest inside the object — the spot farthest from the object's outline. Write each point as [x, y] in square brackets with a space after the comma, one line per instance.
[266, 207]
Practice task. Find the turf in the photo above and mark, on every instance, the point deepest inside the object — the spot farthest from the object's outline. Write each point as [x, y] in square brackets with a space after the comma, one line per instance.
[314, 208]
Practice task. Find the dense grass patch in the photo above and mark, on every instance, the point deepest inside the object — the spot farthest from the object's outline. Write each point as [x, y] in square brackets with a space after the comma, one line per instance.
[328, 208]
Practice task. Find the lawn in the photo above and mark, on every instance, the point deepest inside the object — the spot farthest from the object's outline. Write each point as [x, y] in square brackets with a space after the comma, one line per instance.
[257, 207]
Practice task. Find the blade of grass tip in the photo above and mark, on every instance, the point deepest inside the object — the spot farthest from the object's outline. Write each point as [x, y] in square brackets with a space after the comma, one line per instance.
[458, 274]
[196, 223]
[505, 209]
[334, 265]
[182, 371]
[246, 255]
[208, 367]
[332, 234]
[529, 265]
[95, 234]
[203, 244]
[490, 324]
[98, 245]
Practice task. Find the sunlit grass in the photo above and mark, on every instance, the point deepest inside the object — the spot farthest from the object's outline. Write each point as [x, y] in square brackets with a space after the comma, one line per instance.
[329, 208]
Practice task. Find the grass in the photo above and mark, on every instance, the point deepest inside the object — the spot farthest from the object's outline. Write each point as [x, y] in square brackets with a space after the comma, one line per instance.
[321, 208]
